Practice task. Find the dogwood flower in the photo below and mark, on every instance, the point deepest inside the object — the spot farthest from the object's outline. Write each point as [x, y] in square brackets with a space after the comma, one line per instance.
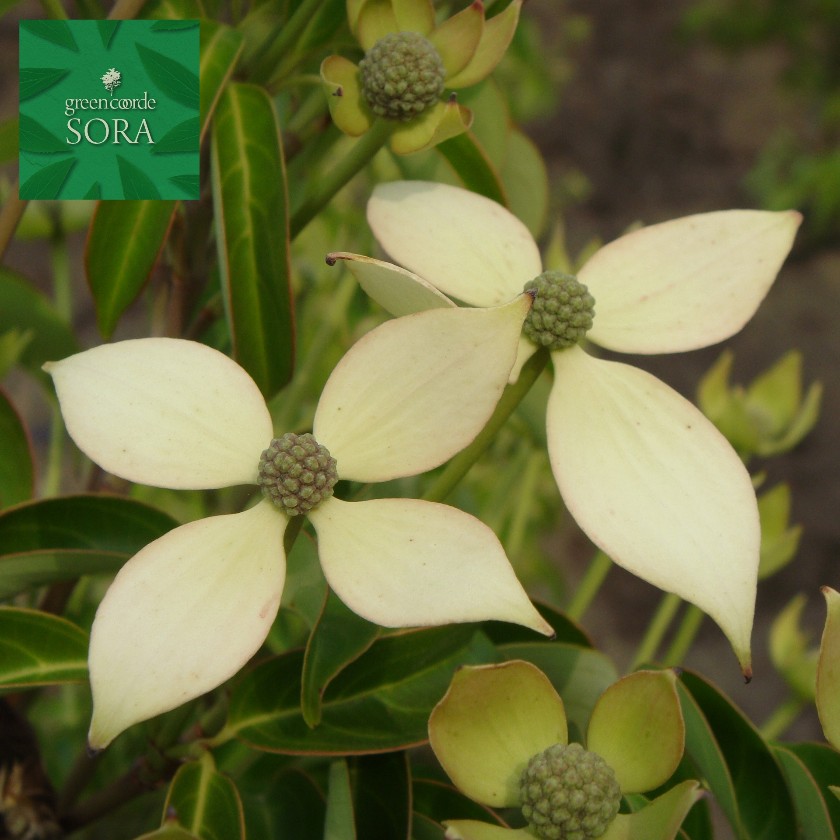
[409, 61]
[647, 477]
[501, 735]
[189, 610]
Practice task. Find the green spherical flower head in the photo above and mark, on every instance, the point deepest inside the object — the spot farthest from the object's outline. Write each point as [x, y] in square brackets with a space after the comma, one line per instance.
[569, 793]
[402, 75]
[297, 473]
[562, 313]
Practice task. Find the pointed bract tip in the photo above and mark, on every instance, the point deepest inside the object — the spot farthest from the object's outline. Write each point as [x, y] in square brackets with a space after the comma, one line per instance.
[94, 752]
[47, 366]
[748, 674]
[453, 98]
[331, 259]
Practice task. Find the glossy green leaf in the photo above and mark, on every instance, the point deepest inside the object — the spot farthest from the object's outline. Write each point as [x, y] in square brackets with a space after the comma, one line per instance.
[441, 800]
[473, 166]
[26, 310]
[221, 47]
[174, 79]
[56, 31]
[383, 796]
[181, 138]
[764, 804]
[35, 80]
[205, 802]
[282, 805]
[339, 637]
[580, 675]
[60, 539]
[809, 801]
[380, 702]
[37, 648]
[107, 28]
[504, 633]
[823, 765]
[16, 469]
[47, 182]
[34, 137]
[136, 184]
[252, 234]
[340, 822]
[117, 274]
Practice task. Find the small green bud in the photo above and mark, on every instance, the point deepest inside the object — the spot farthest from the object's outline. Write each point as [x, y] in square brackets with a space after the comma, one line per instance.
[402, 75]
[562, 313]
[569, 793]
[297, 473]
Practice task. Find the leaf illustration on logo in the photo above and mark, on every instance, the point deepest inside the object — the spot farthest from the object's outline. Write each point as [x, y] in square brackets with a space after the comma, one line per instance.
[94, 191]
[188, 183]
[135, 182]
[182, 138]
[173, 25]
[56, 31]
[47, 181]
[107, 28]
[34, 137]
[173, 79]
[35, 80]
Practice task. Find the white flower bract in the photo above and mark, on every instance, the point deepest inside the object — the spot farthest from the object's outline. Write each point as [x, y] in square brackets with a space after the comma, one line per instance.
[648, 478]
[191, 608]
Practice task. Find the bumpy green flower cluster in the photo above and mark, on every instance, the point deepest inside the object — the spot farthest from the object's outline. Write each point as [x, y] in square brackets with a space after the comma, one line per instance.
[402, 75]
[569, 793]
[562, 313]
[297, 473]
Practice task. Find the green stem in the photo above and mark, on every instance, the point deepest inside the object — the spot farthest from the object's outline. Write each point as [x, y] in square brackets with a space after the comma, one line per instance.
[782, 718]
[282, 39]
[459, 466]
[10, 216]
[589, 586]
[322, 189]
[662, 618]
[685, 635]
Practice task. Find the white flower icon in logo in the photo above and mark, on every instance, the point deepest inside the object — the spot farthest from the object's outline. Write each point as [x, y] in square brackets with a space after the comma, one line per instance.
[112, 79]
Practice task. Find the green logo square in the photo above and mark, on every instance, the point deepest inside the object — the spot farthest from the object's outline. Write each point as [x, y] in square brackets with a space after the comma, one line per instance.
[109, 109]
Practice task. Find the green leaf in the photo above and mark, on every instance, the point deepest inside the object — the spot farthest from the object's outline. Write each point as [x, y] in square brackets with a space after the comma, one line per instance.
[252, 234]
[174, 79]
[473, 166]
[285, 805]
[380, 702]
[190, 184]
[441, 800]
[35, 80]
[123, 244]
[339, 637]
[823, 764]
[34, 137]
[16, 470]
[24, 308]
[339, 823]
[181, 138]
[383, 796]
[808, 799]
[60, 539]
[221, 48]
[56, 31]
[37, 648]
[173, 25]
[525, 181]
[504, 633]
[764, 804]
[107, 28]
[136, 184]
[47, 182]
[206, 802]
